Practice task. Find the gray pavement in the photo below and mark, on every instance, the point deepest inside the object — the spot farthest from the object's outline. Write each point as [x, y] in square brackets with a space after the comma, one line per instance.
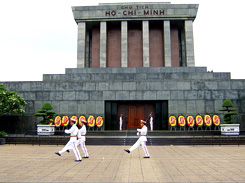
[27, 163]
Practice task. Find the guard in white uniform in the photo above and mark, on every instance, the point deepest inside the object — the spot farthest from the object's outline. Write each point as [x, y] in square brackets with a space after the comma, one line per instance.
[141, 141]
[120, 122]
[73, 131]
[81, 138]
[151, 122]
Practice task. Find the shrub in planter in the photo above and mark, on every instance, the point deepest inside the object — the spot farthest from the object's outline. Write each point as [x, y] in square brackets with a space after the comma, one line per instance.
[229, 127]
[46, 114]
[229, 112]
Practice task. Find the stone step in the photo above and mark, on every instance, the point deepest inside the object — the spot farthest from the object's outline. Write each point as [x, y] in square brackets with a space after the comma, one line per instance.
[155, 133]
[29, 90]
[99, 77]
[136, 70]
[129, 140]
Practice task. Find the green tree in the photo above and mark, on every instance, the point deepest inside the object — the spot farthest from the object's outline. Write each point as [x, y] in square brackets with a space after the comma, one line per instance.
[229, 111]
[46, 113]
[11, 102]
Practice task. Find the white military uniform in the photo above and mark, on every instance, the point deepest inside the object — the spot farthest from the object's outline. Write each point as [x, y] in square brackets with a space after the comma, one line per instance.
[151, 123]
[81, 140]
[120, 123]
[73, 131]
[141, 141]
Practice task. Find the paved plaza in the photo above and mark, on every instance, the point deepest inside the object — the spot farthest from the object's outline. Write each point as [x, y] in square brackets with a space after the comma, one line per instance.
[27, 163]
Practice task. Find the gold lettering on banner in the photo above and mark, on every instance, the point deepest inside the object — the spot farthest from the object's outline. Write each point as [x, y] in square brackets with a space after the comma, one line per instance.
[138, 11]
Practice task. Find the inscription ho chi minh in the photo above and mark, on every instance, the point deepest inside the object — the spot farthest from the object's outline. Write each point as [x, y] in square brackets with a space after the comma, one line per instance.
[134, 10]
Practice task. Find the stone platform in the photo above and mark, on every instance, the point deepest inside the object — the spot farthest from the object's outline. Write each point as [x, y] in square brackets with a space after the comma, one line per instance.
[174, 91]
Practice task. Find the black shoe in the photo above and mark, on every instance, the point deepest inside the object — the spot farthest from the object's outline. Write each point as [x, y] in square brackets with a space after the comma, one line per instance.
[86, 157]
[57, 153]
[128, 151]
[78, 160]
[68, 151]
[146, 157]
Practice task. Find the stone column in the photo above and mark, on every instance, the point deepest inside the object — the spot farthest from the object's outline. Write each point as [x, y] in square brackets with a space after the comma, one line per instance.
[146, 50]
[190, 59]
[124, 44]
[167, 43]
[103, 44]
[81, 45]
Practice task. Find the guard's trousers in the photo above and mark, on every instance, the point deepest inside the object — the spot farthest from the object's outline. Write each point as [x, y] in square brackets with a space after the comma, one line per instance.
[72, 145]
[137, 144]
[83, 147]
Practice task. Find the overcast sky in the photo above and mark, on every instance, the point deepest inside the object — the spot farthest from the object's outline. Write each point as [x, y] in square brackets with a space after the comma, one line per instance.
[40, 36]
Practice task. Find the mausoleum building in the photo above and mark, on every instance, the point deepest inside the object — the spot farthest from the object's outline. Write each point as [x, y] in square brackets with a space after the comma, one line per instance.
[135, 59]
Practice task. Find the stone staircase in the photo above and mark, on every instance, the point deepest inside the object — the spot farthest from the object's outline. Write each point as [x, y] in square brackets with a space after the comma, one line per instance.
[136, 73]
[129, 138]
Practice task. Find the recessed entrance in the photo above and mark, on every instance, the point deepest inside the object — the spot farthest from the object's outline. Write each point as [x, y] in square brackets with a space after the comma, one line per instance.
[133, 112]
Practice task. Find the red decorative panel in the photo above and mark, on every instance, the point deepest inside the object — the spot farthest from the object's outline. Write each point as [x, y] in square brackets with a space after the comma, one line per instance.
[114, 45]
[133, 112]
[96, 47]
[175, 47]
[135, 45]
[156, 45]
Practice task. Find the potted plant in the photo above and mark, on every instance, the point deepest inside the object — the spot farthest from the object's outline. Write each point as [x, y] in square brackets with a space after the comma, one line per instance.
[229, 127]
[46, 126]
[2, 140]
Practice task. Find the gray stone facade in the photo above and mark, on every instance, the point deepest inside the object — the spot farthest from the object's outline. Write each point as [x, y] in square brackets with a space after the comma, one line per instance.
[188, 90]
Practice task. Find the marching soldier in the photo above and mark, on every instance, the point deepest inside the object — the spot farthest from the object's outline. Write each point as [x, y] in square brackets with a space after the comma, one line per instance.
[141, 141]
[81, 138]
[73, 131]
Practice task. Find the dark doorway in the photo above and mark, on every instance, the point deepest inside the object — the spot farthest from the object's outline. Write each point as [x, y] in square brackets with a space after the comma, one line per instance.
[133, 112]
